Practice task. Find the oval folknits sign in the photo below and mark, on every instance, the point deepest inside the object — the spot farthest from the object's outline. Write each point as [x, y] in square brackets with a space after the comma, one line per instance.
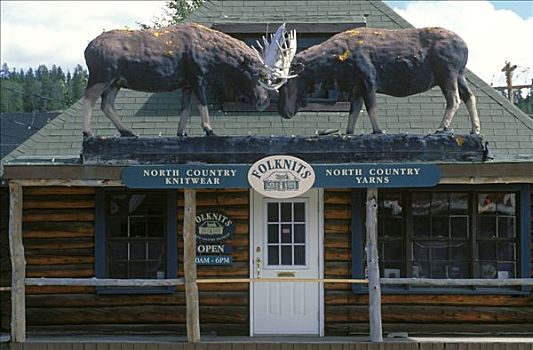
[281, 176]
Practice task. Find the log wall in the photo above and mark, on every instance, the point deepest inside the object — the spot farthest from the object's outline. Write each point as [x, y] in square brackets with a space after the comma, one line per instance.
[5, 261]
[346, 313]
[58, 233]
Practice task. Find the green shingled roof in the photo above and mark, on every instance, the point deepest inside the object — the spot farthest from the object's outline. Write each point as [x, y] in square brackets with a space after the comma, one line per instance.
[508, 130]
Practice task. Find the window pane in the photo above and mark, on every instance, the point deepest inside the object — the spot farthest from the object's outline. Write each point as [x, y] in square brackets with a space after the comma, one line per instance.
[506, 226]
[439, 204]
[439, 269]
[486, 204]
[118, 270]
[440, 226]
[118, 250]
[420, 269]
[286, 233]
[393, 250]
[299, 212]
[299, 233]
[458, 270]
[439, 252]
[459, 251]
[391, 205]
[273, 212]
[117, 227]
[506, 204]
[138, 250]
[137, 226]
[421, 226]
[459, 226]
[286, 255]
[273, 233]
[273, 255]
[506, 270]
[421, 204]
[156, 226]
[393, 226]
[420, 251]
[459, 203]
[155, 250]
[487, 250]
[487, 269]
[506, 252]
[486, 227]
[299, 255]
[138, 270]
[286, 212]
[156, 269]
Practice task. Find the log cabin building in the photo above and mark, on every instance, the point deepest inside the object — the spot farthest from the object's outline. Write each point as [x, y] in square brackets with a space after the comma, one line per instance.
[79, 220]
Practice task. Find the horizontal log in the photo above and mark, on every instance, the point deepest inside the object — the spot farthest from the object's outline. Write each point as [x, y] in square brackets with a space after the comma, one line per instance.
[337, 240]
[128, 314]
[349, 298]
[45, 191]
[30, 290]
[58, 244]
[220, 298]
[337, 226]
[103, 282]
[432, 314]
[335, 269]
[337, 254]
[458, 282]
[57, 230]
[177, 329]
[64, 203]
[59, 260]
[436, 329]
[337, 212]
[344, 198]
[61, 271]
[58, 215]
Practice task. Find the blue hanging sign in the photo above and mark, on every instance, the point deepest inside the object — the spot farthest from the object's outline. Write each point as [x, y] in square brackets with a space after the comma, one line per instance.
[186, 176]
[368, 175]
[345, 175]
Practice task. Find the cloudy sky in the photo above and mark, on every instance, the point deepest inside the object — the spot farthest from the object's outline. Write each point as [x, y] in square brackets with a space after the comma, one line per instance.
[57, 32]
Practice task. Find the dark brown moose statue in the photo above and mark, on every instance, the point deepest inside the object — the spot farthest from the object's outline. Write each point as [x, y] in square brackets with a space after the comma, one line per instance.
[363, 62]
[186, 56]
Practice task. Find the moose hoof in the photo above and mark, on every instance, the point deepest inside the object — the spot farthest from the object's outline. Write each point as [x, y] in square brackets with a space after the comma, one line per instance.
[474, 132]
[209, 132]
[127, 133]
[378, 132]
[183, 134]
[443, 131]
[87, 135]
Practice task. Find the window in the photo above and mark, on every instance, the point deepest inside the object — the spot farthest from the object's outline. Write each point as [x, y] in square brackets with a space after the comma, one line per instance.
[286, 234]
[136, 237]
[446, 233]
[325, 96]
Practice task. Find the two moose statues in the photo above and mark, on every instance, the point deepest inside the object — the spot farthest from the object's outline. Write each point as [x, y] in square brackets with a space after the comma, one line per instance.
[360, 62]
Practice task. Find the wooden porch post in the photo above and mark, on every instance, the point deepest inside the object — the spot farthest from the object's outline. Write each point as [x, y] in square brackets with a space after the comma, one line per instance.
[374, 288]
[189, 266]
[18, 265]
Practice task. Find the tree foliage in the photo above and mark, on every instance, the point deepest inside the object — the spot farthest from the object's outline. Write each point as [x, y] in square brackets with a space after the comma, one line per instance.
[40, 90]
[175, 11]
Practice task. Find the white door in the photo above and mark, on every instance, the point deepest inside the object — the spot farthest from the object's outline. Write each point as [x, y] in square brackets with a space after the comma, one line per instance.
[285, 243]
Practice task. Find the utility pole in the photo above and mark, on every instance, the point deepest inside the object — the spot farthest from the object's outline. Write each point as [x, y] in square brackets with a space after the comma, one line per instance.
[508, 69]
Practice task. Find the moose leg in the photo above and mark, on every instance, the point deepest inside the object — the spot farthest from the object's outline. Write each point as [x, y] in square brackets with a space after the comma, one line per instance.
[371, 108]
[199, 90]
[186, 97]
[355, 110]
[451, 94]
[108, 107]
[89, 99]
[470, 101]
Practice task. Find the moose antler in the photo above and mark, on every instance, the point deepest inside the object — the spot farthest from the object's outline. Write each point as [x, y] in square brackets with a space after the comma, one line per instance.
[277, 56]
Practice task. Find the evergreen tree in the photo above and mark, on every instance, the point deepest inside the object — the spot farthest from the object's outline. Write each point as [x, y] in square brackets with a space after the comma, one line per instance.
[175, 11]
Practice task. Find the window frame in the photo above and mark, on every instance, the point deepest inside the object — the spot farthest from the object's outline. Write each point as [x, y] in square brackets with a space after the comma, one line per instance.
[101, 241]
[327, 29]
[523, 238]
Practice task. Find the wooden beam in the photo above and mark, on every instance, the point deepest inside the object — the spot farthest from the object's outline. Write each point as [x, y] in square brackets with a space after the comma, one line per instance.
[108, 282]
[374, 289]
[189, 266]
[18, 265]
